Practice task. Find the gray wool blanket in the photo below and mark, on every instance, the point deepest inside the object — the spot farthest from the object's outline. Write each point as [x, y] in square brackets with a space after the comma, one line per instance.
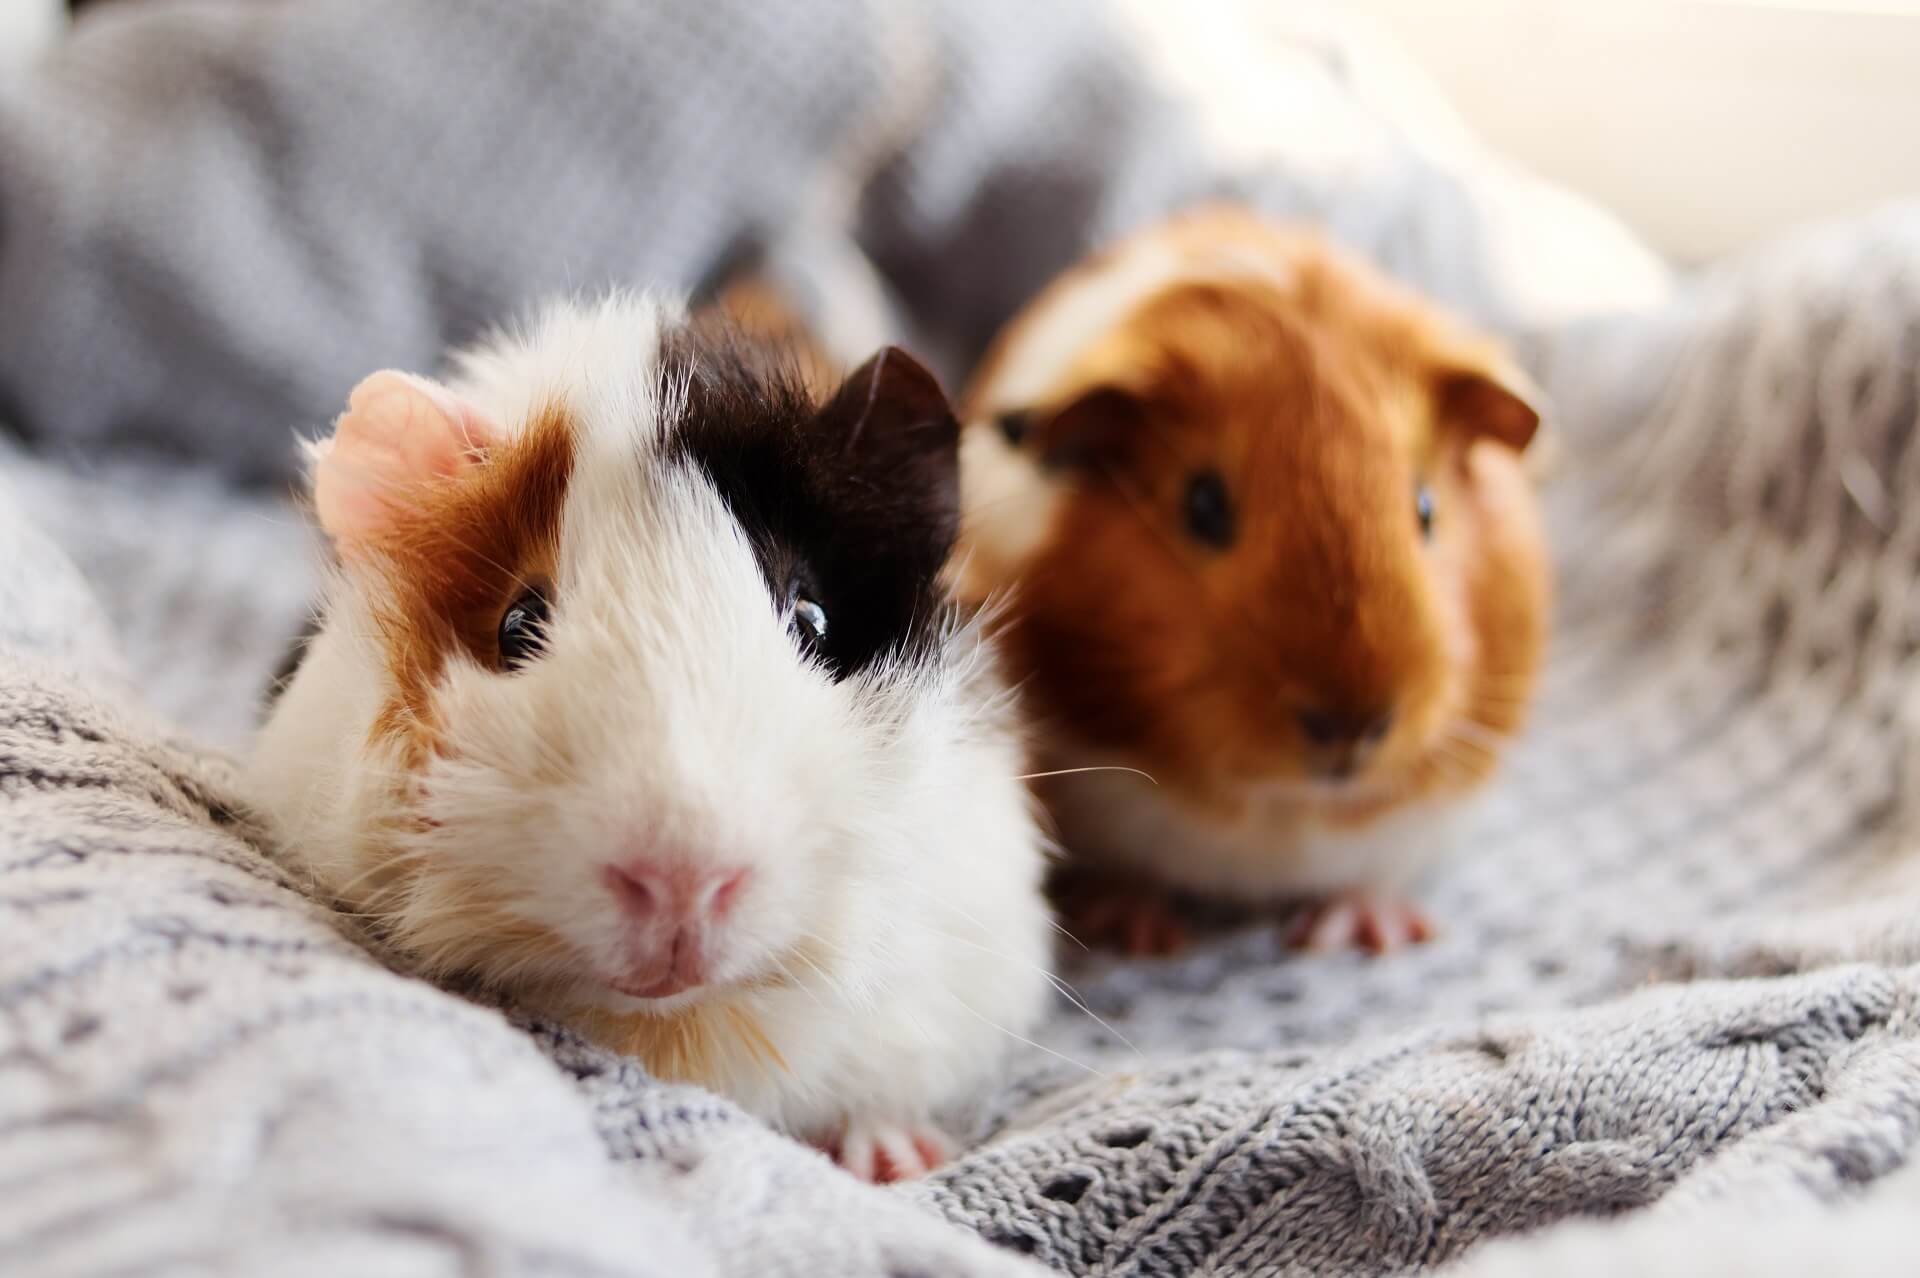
[1670, 1026]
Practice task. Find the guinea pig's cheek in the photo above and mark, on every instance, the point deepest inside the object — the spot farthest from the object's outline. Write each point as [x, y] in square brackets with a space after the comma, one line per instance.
[776, 924]
[1461, 646]
[768, 910]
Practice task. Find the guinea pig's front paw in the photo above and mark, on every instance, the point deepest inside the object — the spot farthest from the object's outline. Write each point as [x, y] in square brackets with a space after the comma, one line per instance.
[882, 1152]
[1360, 918]
[1137, 918]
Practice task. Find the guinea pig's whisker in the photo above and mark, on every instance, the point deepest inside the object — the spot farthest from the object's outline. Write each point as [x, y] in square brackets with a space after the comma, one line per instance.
[1061, 928]
[1021, 1038]
[792, 979]
[890, 960]
[522, 963]
[896, 961]
[389, 898]
[976, 507]
[1474, 735]
[1458, 767]
[369, 916]
[1072, 995]
[1067, 772]
[1059, 984]
[1483, 697]
[833, 983]
[394, 861]
[801, 956]
[1462, 752]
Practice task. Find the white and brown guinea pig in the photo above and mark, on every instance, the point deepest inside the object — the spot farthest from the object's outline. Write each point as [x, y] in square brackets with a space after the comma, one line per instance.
[1267, 537]
[637, 700]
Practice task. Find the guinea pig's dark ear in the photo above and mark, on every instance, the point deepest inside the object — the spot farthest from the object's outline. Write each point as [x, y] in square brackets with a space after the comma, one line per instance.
[1090, 427]
[893, 428]
[1493, 398]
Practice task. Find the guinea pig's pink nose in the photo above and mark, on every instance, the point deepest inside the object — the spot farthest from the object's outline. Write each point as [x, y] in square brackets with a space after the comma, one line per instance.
[672, 908]
[677, 890]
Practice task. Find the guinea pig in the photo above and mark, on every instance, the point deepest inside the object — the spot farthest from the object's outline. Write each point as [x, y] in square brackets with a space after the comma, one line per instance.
[637, 700]
[1277, 584]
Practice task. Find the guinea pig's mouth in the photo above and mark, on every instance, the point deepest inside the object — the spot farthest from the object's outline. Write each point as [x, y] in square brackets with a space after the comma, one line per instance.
[663, 988]
[621, 994]
[689, 975]
[682, 979]
[674, 994]
[1362, 789]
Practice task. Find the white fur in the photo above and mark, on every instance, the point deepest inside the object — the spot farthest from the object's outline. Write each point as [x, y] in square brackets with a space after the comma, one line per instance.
[1093, 301]
[1274, 851]
[895, 859]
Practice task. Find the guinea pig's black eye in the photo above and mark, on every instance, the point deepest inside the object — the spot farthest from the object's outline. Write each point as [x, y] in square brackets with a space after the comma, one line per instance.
[809, 625]
[1209, 510]
[1423, 510]
[523, 630]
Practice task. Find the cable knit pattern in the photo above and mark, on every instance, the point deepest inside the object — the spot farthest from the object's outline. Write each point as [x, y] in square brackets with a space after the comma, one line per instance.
[1670, 1026]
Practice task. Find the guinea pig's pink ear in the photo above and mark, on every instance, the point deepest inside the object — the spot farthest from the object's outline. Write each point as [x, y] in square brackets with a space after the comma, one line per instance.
[1494, 399]
[399, 431]
[894, 426]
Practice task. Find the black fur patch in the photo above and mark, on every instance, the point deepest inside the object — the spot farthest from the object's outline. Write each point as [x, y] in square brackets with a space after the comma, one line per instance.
[854, 503]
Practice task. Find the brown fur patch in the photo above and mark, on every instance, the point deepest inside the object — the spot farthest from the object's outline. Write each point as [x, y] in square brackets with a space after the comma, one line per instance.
[1325, 397]
[457, 556]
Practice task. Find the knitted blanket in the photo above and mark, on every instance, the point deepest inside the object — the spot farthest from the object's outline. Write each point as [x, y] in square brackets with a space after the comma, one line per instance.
[1669, 1025]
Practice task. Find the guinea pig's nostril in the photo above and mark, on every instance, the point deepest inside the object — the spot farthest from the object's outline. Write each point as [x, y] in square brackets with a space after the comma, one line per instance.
[1322, 729]
[1327, 728]
[638, 892]
[723, 891]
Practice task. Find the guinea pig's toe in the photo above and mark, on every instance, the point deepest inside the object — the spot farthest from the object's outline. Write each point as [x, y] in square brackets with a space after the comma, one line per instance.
[1360, 919]
[884, 1152]
[1135, 920]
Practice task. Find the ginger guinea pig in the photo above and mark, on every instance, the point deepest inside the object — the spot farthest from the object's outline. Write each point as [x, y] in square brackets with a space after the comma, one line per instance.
[637, 700]
[1265, 535]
